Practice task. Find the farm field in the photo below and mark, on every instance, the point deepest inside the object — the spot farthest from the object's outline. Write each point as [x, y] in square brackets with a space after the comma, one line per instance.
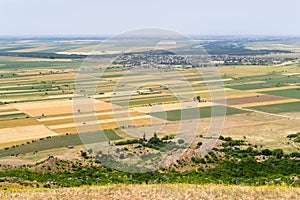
[279, 108]
[290, 93]
[54, 142]
[203, 112]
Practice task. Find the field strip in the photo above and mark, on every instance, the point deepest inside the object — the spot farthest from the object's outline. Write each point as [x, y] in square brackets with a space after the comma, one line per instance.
[212, 81]
[83, 49]
[17, 91]
[44, 60]
[6, 107]
[171, 106]
[261, 112]
[28, 59]
[24, 133]
[159, 81]
[272, 114]
[130, 79]
[266, 103]
[52, 107]
[134, 96]
[36, 95]
[16, 81]
[89, 53]
[247, 83]
[32, 49]
[10, 86]
[41, 104]
[234, 96]
[137, 98]
[272, 89]
[84, 115]
[11, 112]
[291, 74]
[52, 77]
[59, 96]
[99, 122]
[205, 91]
[106, 126]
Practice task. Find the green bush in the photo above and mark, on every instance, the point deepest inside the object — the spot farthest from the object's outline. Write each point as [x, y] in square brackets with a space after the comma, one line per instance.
[293, 135]
[278, 153]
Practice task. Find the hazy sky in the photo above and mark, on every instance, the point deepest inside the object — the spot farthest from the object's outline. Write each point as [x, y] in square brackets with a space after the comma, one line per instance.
[99, 17]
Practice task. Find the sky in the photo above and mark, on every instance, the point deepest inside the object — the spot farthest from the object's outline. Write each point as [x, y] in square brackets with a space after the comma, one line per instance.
[112, 17]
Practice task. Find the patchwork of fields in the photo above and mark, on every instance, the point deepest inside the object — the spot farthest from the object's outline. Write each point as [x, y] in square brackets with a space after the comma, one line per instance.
[36, 97]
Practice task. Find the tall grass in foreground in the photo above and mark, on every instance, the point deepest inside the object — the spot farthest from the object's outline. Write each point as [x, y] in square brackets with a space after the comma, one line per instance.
[159, 192]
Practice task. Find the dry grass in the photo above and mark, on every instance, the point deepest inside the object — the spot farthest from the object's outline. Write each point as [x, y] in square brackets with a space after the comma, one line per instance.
[261, 129]
[159, 192]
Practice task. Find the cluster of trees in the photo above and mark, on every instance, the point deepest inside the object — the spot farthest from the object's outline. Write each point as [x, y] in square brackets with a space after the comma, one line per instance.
[42, 55]
[229, 171]
[234, 162]
[295, 137]
[238, 49]
[154, 142]
[232, 147]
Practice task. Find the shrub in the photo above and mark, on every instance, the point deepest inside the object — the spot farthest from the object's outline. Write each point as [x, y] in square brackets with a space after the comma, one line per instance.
[180, 141]
[122, 156]
[199, 144]
[278, 153]
[297, 139]
[293, 135]
[84, 155]
[295, 154]
[266, 152]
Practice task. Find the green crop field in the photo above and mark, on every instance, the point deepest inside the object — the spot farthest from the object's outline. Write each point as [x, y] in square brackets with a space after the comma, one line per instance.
[193, 113]
[290, 93]
[12, 116]
[58, 142]
[279, 108]
[268, 81]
